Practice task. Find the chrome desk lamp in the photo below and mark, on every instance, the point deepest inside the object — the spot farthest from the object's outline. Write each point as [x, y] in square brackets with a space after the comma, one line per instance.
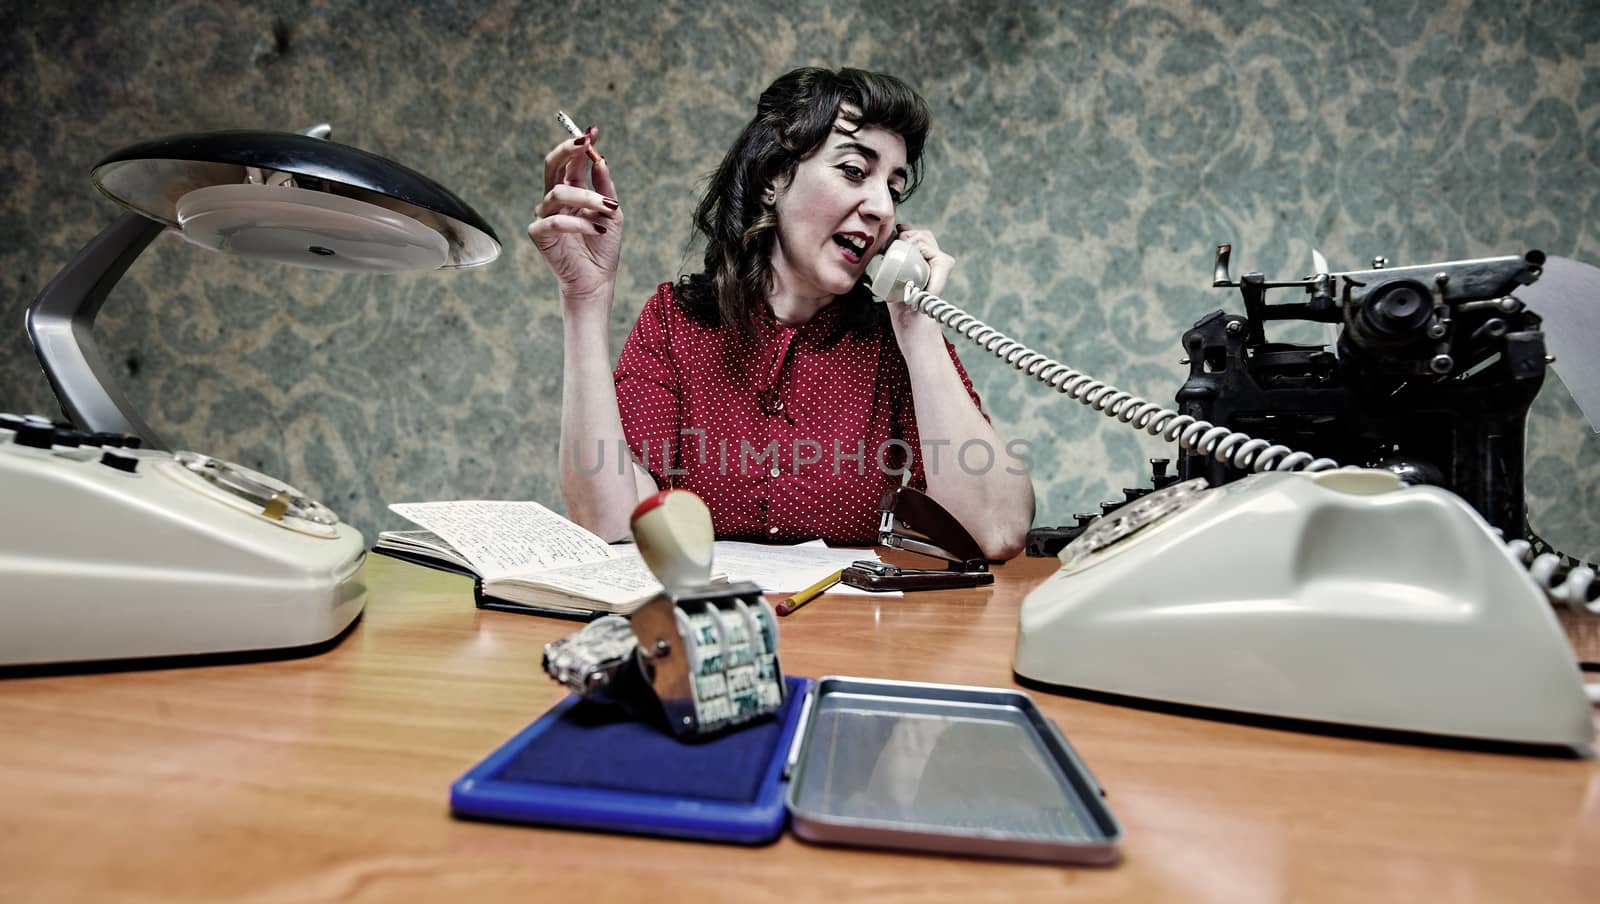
[294, 198]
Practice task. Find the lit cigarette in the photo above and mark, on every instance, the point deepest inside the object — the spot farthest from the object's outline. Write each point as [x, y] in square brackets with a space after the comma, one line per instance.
[570, 126]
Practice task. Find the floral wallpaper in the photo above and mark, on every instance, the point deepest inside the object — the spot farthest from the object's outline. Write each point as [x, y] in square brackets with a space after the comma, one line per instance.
[1086, 160]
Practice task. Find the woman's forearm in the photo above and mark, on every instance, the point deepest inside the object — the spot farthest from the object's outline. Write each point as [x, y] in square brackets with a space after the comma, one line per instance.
[599, 479]
[970, 472]
[970, 469]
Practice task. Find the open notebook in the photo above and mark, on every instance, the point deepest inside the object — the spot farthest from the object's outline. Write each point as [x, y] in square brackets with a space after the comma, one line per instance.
[527, 557]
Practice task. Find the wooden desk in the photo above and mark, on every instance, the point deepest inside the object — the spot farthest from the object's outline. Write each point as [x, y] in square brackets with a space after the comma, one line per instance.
[327, 778]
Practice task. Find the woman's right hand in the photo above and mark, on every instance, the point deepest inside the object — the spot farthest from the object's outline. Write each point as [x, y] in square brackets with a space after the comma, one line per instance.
[579, 230]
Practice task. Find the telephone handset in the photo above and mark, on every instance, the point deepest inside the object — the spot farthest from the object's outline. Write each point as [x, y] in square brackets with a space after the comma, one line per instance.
[1332, 595]
[898, 264]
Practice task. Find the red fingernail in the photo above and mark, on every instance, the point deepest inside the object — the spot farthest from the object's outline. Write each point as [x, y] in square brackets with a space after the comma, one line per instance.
[590, 129]
[581, 140]
[600, 229]
[610, 204]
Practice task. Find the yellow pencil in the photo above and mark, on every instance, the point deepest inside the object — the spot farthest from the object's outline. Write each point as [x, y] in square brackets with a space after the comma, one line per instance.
[809, 594]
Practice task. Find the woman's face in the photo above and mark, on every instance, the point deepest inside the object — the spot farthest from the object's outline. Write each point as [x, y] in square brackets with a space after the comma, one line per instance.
[838, 210]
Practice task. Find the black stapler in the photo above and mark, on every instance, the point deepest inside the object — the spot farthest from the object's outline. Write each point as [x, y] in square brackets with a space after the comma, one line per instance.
[910, 520]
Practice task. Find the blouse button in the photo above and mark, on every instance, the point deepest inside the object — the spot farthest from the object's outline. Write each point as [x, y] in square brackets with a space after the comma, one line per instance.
[777, 406]
[774, 472]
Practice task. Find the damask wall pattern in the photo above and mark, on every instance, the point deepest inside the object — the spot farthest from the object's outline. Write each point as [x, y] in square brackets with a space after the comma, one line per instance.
[1086, 159]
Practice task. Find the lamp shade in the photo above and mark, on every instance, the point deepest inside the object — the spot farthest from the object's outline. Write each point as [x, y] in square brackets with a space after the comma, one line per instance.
[320, 204]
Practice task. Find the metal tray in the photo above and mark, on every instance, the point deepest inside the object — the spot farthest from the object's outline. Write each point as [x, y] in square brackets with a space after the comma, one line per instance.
[933, 767]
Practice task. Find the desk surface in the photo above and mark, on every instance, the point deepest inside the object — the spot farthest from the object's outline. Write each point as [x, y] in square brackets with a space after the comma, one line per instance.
[327, 778]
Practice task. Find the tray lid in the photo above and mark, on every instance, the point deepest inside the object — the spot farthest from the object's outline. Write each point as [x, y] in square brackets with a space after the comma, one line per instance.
[944, 768]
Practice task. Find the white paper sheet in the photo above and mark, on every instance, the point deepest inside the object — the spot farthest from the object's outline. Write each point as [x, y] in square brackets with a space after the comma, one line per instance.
[1567, 296]
[787, 569]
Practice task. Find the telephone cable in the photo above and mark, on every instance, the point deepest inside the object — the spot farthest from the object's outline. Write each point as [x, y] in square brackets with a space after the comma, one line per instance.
[1242, 450]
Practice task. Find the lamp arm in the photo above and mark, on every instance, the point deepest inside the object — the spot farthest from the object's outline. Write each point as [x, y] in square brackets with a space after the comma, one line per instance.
[61, 327]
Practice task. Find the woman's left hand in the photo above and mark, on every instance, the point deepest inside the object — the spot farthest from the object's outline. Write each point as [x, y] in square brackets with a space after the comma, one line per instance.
[939, 263]
[939, 266]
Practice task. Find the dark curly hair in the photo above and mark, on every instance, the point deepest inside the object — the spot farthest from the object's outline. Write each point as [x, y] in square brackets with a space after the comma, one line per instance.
[793, 117]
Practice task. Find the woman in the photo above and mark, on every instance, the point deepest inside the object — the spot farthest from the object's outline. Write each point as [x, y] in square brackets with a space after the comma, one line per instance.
[771, 384]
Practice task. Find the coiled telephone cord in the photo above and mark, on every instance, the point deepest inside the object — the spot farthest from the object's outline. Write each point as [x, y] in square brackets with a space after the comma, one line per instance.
[1564, 581]
[1239, 449]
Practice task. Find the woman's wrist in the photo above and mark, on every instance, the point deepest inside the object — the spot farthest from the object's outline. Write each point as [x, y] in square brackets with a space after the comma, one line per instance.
[914, 333]
[593, 306]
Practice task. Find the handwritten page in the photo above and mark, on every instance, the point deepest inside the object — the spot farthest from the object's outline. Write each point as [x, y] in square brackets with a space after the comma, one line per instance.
[618, 583]
[504, 538]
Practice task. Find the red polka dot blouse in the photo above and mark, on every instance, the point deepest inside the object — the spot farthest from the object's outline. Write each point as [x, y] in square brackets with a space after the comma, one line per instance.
[785, 438]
